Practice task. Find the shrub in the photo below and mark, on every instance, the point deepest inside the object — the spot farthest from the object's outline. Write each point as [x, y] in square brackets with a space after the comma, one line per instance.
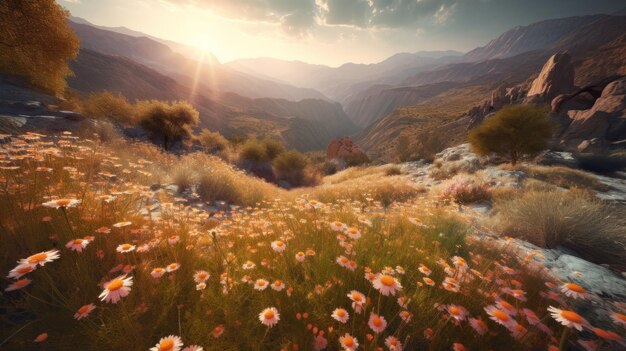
[562, 176]
[393, 171]
[37, 42]
[512, 132]
[290, 166]
[273, 148]
[169, 122]
[353, 161]
[106, 105]
[252, 150]
[212, 141]
[466, 191]
[573, 219]
[330, 168]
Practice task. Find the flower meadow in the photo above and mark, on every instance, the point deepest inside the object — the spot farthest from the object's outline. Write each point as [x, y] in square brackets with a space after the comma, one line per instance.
[93, 258]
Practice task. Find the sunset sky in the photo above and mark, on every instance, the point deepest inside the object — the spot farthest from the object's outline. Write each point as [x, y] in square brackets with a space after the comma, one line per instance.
[328, 32]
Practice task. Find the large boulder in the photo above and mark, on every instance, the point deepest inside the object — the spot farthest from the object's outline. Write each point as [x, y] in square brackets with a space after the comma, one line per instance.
[556, 77]
[344, 147]
[604, 122]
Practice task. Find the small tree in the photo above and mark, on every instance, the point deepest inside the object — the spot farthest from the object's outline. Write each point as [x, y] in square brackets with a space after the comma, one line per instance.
[169, 122]
[36, 42]
[212, 141]
[512, 132]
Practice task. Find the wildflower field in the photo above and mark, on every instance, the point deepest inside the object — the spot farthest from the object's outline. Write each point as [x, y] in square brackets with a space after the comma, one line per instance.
[93, 258]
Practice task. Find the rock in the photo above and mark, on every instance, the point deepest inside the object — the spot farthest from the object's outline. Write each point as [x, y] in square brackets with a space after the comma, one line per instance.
[553, 158]
[603, 124]
[340, 148]
[556, 77]
[499, 98]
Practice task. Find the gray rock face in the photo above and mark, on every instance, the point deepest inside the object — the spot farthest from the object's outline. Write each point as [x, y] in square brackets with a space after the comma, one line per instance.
[556, 77]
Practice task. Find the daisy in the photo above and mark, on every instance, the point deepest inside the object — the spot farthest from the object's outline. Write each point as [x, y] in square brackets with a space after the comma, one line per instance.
[531, 316]
[406, 316]
[62, 203]
[22, 283]
[77, 244]
[403, 301]
[157, 273]
[248, 265]
[41, 337]
[125, 248]
[429, 281]
[172, 267]
[168, 343]
[393, 343]
[173, 239]
[517, 330]
[377, 323]
[340, 315]
[338, 226]
[201, 276]
[386, 284]
[499, 316]
[348, 342]
[269, 317]
[607, 335]
[115, 289]
[479, 326]
[456, 312]
[353, 233]
[425, 270]
[278, 285]
[122, 224]
[21, 270]
[84, 311]
[320, 342]
[300, 256]
[278, 246]
[619, 318]
[218, 331]
[573, 290]
[201, 286]
[458, 347]
[343, 261]
[41, 258]
[506, 307]
[569, 319]
[358, 300]
[261, 284]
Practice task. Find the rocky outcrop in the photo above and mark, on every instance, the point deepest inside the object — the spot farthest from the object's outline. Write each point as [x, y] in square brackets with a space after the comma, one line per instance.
[499, 98]
[599, 127]
[556, 77]
[343, 148]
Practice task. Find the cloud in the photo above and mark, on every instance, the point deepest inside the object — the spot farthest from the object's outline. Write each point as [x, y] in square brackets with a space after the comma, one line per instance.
[299, 16]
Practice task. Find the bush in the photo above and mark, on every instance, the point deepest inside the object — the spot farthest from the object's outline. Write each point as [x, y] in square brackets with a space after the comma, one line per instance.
[393, 171]
[512, 132]
[265, 150]
[106, 105]
[169, 122]
[601, 163]
[353, 161]
[466, 191]
[212, 141]
[330, 168]
[573, 219]
[290, 166]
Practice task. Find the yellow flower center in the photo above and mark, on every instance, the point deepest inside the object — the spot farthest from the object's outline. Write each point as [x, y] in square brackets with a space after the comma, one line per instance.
[166, 345]
[575, 287]
[78, 241]
[387, 280]
[572, 316]
[21, 283]
[261, 282]
[501, 315]
[268, 314]
[343, 260]
[455, 311]
[341, 313]
[83, 309]
[24, 269]
[125, 246]
[202, 276]
[63, 202]
[279, 243]
[356, 297]
[37, 258]
[348, 341]
[277, 283]
[506, 305]
[115, 284]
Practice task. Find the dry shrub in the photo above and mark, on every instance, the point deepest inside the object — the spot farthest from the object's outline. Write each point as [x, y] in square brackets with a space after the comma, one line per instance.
[464, 190]
[574, 219]
[393, 171]
[561, 176]
[385, 191]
